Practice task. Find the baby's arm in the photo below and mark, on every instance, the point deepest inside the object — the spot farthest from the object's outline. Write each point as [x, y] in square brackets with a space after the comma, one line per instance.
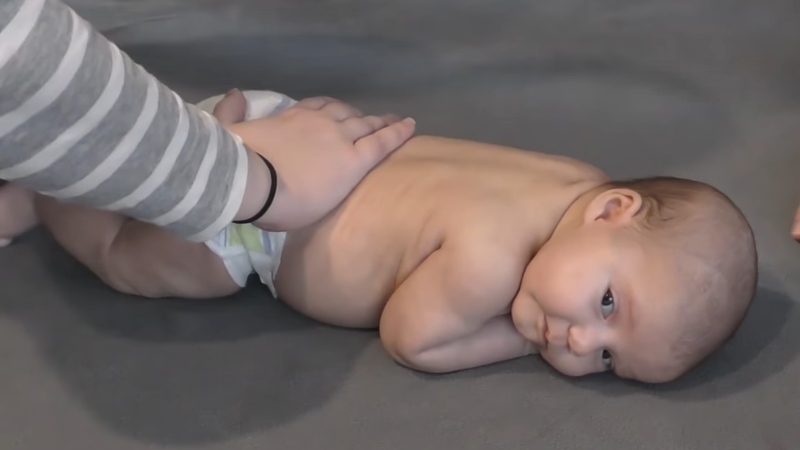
[452, 314]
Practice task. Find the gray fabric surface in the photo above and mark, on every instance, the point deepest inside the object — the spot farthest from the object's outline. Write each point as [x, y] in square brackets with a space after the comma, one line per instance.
[708, 89]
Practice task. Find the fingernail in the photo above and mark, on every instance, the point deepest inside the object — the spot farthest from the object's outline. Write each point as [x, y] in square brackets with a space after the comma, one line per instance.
[410, 119]
[232, 91]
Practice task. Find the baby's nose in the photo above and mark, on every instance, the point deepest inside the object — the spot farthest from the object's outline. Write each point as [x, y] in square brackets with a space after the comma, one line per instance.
[583, 340]
[557, 336]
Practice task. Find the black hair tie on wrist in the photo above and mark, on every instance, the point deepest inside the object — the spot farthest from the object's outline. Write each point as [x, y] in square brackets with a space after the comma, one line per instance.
[273, 187]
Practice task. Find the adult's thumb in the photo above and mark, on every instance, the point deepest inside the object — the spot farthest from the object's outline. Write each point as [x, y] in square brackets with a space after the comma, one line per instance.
[232, 108]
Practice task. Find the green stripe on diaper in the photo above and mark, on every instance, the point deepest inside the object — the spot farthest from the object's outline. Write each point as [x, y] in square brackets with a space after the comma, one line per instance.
[247, 236]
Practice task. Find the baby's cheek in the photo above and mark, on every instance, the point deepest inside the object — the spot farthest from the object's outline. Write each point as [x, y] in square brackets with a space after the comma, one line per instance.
[542, 284]
[521, 316]
[565, 364]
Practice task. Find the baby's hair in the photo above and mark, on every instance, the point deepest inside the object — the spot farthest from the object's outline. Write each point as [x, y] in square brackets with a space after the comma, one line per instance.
[716, 258]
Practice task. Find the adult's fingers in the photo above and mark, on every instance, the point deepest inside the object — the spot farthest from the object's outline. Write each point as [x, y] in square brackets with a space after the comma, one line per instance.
[376, 146]
[356, 128]
[315, 103]
[232, 108]
[340, 111]
[335, 109]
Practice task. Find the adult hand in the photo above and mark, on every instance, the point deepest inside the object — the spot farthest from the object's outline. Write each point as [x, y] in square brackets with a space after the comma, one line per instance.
[321, 149]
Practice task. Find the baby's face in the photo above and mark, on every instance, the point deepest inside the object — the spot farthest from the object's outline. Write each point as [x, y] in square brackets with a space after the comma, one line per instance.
[595, 299]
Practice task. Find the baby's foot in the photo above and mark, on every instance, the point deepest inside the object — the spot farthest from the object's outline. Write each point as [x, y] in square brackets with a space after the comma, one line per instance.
[17, 213]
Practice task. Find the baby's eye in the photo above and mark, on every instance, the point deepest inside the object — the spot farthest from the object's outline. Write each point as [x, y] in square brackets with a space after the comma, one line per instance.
[607, 363]
[607, 304]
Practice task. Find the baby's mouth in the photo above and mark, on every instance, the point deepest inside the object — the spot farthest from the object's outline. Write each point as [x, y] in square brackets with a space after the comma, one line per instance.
[543, 332]
[539, 333]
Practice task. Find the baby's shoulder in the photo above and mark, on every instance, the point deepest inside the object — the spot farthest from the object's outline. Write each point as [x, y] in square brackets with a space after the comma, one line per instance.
[564, 170]
[484, 258]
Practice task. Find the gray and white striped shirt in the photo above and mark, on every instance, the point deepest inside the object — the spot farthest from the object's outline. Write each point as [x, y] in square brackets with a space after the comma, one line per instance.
[80, 121]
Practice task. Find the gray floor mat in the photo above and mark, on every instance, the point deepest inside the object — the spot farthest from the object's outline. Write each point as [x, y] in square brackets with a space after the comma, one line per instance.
[708, 89]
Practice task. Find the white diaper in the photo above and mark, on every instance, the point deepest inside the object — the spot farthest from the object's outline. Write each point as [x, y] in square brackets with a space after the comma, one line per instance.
[244, 248]
[259, 103]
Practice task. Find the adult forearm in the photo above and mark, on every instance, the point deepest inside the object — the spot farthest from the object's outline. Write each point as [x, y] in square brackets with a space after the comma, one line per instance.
[80, 121]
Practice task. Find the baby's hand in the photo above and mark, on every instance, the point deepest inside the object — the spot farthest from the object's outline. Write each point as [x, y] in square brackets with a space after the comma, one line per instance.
[321, 149]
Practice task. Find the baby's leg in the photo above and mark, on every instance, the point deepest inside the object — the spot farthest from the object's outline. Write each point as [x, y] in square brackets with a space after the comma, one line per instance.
[17, 214]
[135, 257]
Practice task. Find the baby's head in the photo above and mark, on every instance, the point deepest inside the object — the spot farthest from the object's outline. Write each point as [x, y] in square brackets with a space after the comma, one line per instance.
[646, 278]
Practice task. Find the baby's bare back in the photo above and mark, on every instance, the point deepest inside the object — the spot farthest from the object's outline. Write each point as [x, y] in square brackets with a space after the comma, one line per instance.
[343, 269]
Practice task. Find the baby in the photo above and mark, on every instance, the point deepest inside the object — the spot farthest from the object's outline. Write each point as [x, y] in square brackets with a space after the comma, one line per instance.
[463, 254]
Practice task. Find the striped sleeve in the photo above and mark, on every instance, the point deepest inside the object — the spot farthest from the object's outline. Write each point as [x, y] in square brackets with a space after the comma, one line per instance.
[80, 121]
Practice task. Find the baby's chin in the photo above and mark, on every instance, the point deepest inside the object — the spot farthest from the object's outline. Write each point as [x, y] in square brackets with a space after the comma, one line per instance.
[524, 316]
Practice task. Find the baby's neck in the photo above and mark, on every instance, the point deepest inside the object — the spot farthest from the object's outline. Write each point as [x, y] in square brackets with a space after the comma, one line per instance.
[573, 216]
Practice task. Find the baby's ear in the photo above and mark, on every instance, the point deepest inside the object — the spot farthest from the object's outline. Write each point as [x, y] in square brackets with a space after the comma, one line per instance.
[232, 108]
[617, 206]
